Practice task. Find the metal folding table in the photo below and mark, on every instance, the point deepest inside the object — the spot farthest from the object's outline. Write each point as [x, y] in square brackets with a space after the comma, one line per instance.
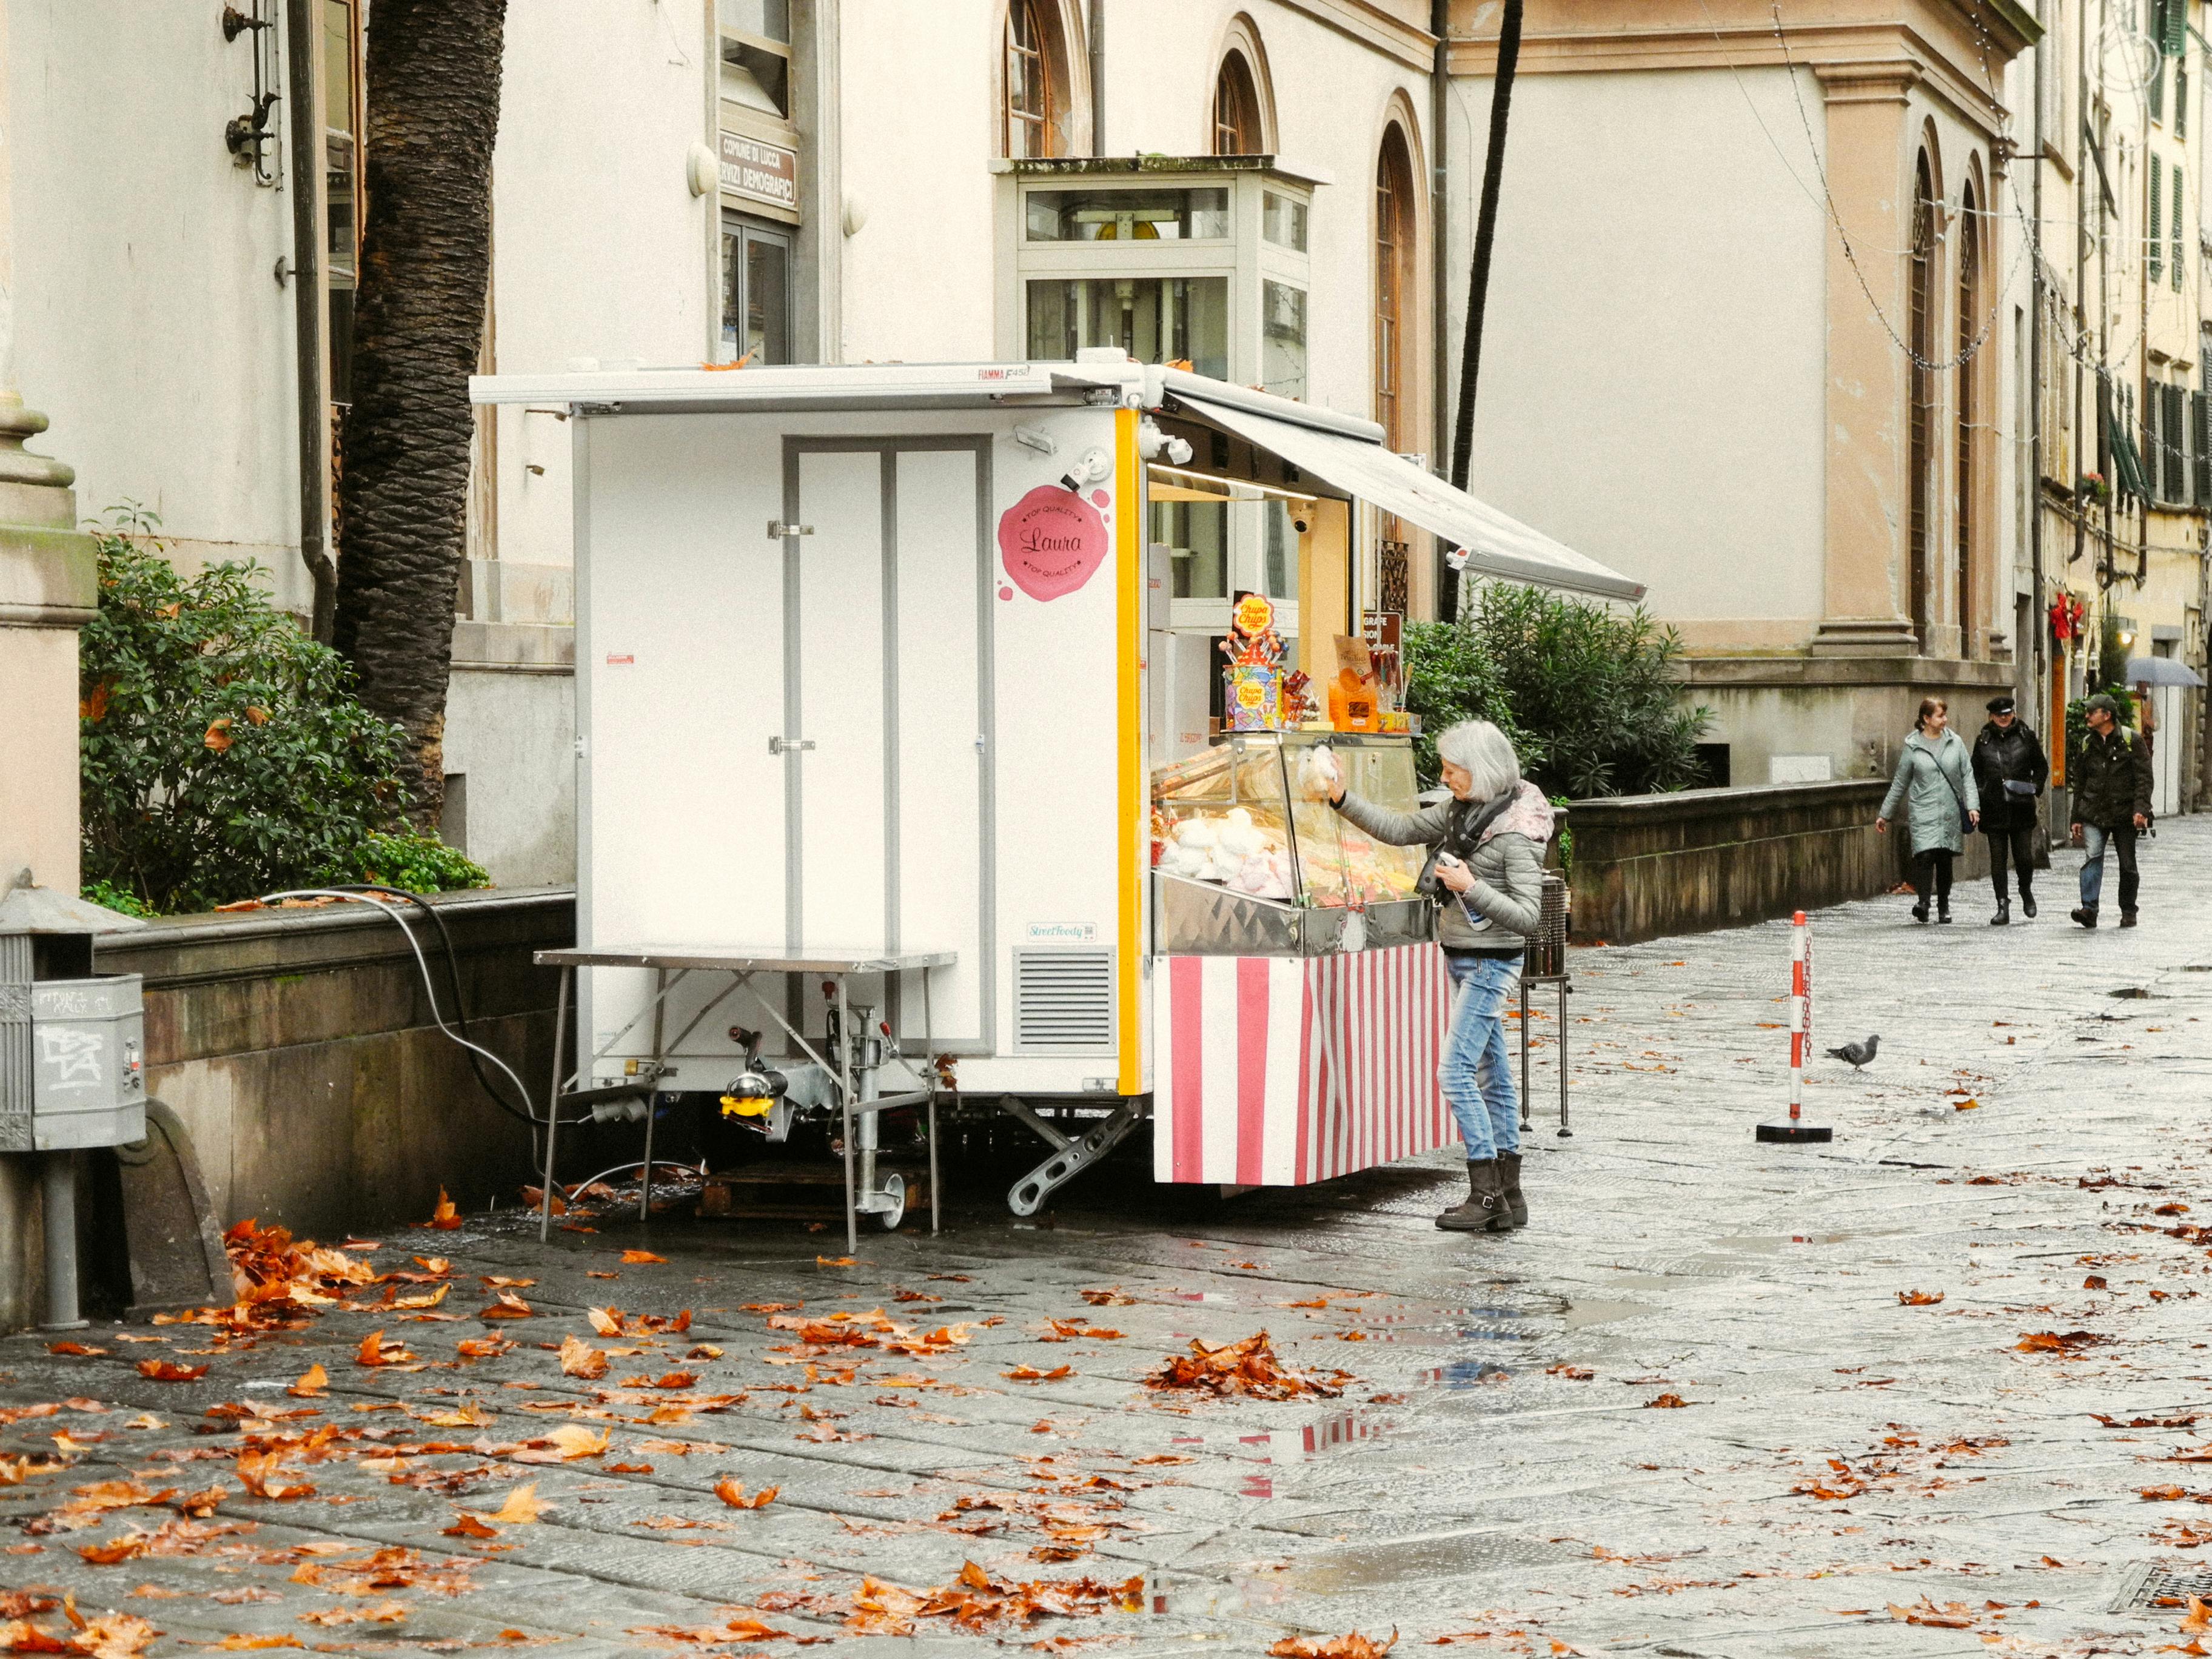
[671, 965]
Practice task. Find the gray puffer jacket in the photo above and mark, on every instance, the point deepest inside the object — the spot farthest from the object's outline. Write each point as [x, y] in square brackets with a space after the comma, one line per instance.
[1934, 785]
[1500, 911]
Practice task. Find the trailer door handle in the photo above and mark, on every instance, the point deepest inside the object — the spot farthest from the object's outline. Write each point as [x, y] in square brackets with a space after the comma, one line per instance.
[788, 745]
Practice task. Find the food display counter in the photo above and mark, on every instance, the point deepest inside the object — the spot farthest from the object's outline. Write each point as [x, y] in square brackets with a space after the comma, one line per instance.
[1302, 1001]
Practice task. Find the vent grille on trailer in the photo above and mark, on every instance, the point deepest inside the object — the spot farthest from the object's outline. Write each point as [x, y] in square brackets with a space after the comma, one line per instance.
[1064, 1000]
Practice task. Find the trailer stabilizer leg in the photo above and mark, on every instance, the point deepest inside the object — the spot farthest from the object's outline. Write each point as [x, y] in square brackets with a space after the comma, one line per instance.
[1074, 1157]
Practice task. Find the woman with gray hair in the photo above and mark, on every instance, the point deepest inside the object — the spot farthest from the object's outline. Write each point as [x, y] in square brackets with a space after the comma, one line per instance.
[1488, 871]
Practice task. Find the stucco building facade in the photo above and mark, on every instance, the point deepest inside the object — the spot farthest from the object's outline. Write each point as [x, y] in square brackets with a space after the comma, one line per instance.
[685, 180]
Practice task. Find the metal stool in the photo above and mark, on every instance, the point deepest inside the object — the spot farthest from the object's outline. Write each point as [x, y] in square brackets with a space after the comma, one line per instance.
[1545, 963]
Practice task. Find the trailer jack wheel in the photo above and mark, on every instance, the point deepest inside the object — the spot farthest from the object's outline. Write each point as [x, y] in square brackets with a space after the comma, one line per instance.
[893, 1197]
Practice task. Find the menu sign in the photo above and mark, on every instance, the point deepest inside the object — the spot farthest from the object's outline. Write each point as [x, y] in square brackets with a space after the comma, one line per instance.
[766, 172]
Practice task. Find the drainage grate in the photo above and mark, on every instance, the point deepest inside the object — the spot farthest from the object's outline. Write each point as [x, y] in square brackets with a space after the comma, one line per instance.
[2147, 1584]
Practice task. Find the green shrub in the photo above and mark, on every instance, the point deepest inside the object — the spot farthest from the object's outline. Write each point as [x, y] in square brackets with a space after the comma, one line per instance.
[1450, 676]
[419, 863]
[109, 896]
[223, 753]
[1588, 694]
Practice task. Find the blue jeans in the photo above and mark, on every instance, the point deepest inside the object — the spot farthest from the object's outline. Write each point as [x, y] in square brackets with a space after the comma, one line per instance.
[2094, 842]
[1475, 1074]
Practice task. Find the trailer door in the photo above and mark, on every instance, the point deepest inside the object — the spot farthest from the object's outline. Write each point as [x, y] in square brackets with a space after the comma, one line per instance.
[886, 711]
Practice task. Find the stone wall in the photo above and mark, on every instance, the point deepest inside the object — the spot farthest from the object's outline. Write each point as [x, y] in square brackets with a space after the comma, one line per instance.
[1649, 864]
[300, 1051]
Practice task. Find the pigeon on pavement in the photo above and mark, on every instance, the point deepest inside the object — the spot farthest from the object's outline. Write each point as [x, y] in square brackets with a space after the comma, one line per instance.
[1856, 1053]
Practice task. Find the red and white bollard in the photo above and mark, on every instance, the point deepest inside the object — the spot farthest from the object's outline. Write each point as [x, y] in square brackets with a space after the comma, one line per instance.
[1794, 1129]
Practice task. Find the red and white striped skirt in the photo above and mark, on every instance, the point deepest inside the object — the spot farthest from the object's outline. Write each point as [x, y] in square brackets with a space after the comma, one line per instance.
[1280, 1071]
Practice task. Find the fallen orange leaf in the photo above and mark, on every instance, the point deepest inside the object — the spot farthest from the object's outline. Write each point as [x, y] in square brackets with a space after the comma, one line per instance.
[633, 1257]
[522, 1507]
[732, 1491]
[167, 1370]
[311, 1384]
[580, 1358]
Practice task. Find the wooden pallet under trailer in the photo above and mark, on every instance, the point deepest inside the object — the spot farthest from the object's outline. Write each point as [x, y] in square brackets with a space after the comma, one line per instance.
[800, 1192]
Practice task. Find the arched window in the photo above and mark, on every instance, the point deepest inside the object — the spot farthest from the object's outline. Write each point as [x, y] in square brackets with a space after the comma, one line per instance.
[1237, 128]
[1969, 409]
[1921, 336]
[1393, 255]
[1032, 121]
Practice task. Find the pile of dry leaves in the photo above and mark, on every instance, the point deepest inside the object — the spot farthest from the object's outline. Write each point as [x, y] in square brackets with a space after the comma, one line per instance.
[111, 1636]
[975, 1600]
[1249, 1368]
[279, 1283]
[1354, 1646]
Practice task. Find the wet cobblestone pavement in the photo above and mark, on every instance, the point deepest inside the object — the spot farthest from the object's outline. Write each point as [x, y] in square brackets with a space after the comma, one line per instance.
[1944, 1384]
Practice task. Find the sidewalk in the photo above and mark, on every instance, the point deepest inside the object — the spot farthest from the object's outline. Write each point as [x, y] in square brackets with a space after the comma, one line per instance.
[1846, 1474]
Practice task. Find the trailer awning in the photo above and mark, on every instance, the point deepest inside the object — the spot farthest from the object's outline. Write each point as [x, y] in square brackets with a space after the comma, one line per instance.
[1497, 544]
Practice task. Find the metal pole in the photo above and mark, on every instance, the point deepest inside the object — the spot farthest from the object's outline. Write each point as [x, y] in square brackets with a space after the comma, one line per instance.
[1522, 986]
[1098, 30]
[845, 1100]
[304, 137]
[660, 1017]
[1565, 1132]
[929, 1082]
[57, 1175]
[553, 1102]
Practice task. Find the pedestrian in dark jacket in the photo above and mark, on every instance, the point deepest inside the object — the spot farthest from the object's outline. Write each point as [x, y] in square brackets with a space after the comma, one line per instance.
[2111, 782]
[1934, 784]
[2010, 770]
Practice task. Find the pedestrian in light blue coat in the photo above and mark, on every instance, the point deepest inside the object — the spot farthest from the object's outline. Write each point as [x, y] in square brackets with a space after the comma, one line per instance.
[1935, 783]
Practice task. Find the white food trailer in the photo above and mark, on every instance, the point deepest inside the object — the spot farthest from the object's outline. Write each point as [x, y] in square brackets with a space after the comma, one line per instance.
[910, 661]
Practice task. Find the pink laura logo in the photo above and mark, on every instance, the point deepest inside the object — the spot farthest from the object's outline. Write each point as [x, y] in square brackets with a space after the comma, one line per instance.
[1051, 541]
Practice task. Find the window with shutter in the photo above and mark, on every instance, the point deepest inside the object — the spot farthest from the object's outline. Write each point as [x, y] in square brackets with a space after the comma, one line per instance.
[2177, 442]
[2168, 443]
[2154, 446]
[2181, 96]
[2173, 27]
[2200, 437]
[2154, 92]
[2156, 240]
[2179, 219]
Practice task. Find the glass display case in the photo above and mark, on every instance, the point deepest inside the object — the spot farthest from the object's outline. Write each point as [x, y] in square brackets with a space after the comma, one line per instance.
[1248, 858]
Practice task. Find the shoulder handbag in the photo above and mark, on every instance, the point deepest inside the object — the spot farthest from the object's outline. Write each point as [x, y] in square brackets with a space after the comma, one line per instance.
[1965, 823]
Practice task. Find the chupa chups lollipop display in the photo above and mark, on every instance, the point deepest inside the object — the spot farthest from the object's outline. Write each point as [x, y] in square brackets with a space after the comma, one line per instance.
[1253, 681]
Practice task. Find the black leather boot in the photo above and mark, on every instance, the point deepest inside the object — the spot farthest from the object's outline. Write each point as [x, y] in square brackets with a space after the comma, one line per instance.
[2004, 917]
[1943, 911]
[1484, 1209]
[2027, 901]
[1509, 1178]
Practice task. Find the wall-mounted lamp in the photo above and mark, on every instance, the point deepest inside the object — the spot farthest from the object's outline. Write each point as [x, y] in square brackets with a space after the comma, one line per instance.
[702, 170]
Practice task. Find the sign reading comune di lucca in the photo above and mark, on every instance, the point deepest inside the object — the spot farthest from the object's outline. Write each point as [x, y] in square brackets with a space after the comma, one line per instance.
[767, 173]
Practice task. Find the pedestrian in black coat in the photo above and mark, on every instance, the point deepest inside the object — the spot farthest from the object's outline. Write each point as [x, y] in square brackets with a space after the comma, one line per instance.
[2111, 783]
[2011, 769]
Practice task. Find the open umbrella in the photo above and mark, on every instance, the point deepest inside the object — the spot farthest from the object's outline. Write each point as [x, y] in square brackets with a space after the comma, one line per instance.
[2160, 671]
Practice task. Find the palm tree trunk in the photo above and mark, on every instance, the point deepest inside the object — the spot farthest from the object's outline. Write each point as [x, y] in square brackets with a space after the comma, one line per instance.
[1478, 287]
[433, 76]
